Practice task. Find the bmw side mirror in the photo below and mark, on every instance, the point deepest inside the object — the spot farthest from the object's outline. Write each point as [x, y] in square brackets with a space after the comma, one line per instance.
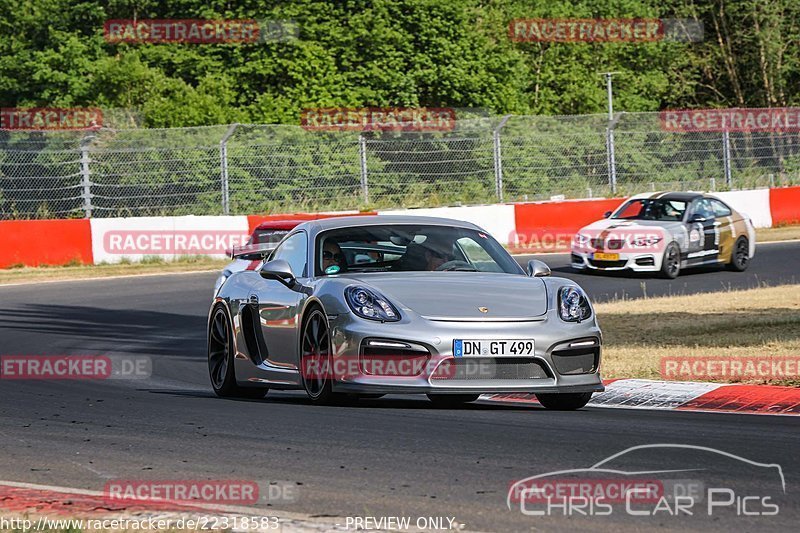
[537, 269]
[280, 270]
[607, 214]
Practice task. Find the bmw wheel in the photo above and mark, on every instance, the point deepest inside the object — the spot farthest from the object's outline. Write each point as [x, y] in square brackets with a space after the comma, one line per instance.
[671, 264]
[740, 256]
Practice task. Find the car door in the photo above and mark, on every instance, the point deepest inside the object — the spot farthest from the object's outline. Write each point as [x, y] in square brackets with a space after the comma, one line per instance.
[279, 305]
[703, 233]
[725, 229]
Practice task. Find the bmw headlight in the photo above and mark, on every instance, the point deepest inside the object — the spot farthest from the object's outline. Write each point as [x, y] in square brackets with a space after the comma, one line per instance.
[573, 305]
[369, 304]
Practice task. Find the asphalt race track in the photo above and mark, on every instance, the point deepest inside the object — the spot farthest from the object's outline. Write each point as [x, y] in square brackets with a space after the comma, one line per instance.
[396, 456]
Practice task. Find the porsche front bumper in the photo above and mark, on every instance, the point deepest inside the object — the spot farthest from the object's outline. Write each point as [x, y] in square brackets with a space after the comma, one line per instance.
[566, 356]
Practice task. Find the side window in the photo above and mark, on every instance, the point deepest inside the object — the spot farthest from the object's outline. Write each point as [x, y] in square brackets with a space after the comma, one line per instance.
[703, 208]
[293, 251]
[720, 209]
[477, 255]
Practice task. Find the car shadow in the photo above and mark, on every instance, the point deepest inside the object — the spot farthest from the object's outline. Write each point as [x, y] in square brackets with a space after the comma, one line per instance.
[417, 401]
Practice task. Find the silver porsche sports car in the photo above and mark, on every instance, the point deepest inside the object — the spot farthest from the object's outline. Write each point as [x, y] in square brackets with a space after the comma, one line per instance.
[366, 306]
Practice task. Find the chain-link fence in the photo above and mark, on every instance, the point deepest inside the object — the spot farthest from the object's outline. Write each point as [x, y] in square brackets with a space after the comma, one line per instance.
[239, 169]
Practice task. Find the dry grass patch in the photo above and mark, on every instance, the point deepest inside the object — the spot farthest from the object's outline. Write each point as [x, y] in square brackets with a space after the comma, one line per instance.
[762, 322]
[148, 266]
[780, 233]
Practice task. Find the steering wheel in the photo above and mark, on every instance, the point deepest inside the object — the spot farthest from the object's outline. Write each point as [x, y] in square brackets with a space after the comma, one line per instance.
[456, 264]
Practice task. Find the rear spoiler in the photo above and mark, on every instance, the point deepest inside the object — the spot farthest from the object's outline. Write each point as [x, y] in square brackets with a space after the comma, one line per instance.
[252, 251]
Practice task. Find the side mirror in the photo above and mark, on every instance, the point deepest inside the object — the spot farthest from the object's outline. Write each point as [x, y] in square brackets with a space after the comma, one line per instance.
[278, 269]
[538, 269]
[607, 214]
[697, 218]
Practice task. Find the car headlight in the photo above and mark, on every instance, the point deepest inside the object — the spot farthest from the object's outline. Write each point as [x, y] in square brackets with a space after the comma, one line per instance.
[368, 304]
[573, 305]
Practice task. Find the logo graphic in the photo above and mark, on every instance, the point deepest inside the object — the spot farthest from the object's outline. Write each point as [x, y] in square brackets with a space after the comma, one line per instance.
[700, 486]
[483, 309]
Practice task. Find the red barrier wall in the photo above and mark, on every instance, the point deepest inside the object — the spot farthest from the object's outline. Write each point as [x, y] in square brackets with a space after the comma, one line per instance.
[44, 242]
[537, 223]
[784, 203]
[255, 220]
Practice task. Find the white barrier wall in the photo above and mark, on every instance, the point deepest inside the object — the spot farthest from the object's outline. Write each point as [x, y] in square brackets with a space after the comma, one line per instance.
[498, 220]
[754, 204]
[169, 237]
[166, 237]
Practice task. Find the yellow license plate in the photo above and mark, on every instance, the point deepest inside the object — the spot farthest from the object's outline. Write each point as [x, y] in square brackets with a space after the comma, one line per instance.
[606, 257]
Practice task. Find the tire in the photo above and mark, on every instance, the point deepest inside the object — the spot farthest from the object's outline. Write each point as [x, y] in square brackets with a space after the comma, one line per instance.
[452, 400]
[564, 402]
[221, 369]
[671, 263]
[740, 255]
[315, 360]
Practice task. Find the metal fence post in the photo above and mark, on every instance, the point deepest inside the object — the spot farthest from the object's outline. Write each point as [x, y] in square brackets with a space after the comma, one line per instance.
[726, 157]
[362, 152]
[223, 157]
[86, 183]
[611, 153]
[498, 159]
[612, 160]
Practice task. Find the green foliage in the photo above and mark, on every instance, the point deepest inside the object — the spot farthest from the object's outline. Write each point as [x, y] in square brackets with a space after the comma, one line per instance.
[387, 52]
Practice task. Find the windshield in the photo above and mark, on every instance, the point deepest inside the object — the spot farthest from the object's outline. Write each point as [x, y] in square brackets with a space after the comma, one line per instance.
[410, 248]
[651, 209]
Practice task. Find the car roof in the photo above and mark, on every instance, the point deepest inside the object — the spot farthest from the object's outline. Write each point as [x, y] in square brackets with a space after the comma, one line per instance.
[674, 195]
[381, 220]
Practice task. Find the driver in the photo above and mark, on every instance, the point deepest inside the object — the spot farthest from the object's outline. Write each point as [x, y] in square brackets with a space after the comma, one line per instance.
[332, 255]
[435, 255]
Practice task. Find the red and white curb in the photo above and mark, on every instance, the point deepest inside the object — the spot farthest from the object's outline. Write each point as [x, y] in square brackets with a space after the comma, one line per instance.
[685, 396]
[52, 508]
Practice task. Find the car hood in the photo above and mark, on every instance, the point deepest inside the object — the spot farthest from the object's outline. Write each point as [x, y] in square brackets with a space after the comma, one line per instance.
[460, 295]
[631, 225]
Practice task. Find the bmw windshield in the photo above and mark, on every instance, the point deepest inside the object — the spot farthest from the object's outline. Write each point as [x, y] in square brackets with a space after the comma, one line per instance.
[656, 209]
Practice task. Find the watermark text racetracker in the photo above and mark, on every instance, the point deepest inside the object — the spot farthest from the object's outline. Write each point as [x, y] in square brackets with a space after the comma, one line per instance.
[50, 118]
[194, 242]
[198, 31]
[200, 491]
[730, 368]
[75, 367]
[599, 30]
